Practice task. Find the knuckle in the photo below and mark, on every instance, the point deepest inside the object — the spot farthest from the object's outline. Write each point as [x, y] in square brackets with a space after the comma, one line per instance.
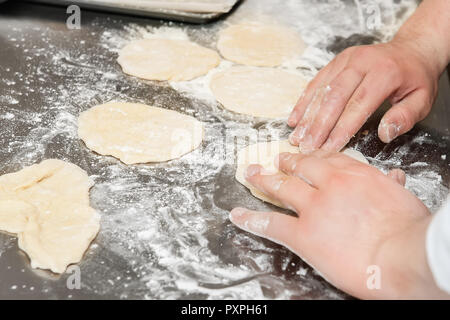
[363, 52]
[349, 51]
[389, 65]
[360, 95]
[353, 70]
[336, 95]
[354, 106]
[391, 70]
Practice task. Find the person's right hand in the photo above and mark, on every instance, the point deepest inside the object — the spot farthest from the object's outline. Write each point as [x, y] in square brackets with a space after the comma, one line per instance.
[343, 95]
[351, 218]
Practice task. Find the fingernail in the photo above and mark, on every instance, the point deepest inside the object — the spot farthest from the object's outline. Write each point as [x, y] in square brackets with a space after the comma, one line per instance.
[285, 156]
[297, 135]
[266, 172]
[252, 171]
[237, 213]
[335, 145]
[392, 131]
[293, 139]
[292, 119]
[307, 145]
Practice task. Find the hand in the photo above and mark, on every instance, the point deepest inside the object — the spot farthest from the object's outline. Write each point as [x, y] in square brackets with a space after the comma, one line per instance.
[347, 92]
[350, 216]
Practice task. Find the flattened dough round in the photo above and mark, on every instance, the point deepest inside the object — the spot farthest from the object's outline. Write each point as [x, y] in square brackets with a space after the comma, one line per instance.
[47, 206]
[259, 45]
[166, 59]
[259, 92]
[137, 133]
[264, 154]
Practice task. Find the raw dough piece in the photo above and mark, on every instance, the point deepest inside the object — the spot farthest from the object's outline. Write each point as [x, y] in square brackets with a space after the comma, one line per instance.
[47, 205]
[166, 59]
[260, 45]
[264, 153]
[137, 133]
[259, 92]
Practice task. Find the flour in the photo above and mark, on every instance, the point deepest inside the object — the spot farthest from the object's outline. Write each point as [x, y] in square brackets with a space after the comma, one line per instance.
[165, 231]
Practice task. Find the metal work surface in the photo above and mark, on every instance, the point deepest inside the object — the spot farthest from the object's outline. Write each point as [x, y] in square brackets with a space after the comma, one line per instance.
[165, 232]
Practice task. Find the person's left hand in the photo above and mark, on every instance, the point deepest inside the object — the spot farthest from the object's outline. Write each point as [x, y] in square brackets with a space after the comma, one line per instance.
[350, 216]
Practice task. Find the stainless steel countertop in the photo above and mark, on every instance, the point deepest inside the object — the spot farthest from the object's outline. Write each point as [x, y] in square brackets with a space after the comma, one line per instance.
[165, 232]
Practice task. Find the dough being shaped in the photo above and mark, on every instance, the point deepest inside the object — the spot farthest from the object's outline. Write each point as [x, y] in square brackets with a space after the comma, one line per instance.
[260, 45]
[264, 154]
[137, 133]
[166, 59]
[259, 92]
[47, 206]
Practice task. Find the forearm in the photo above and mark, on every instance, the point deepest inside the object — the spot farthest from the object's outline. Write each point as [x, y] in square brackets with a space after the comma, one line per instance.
[427, 32]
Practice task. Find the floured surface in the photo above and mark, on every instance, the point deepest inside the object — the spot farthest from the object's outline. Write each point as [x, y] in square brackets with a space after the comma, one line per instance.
[47, 206]
[165, 231]
[260, 45]
[264, 154]
[137, 133]
[259, 92]
[166, 59]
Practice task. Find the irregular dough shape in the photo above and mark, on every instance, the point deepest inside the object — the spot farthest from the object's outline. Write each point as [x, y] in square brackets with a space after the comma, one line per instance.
[260, 45]
[47, 205]
[259, 92]
[137, 133]
[264, 153]
[165, 59]
[14, 215]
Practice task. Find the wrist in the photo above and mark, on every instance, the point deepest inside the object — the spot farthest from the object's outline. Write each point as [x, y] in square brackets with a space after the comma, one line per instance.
[404, 258]
[426, 33]
[423, 51]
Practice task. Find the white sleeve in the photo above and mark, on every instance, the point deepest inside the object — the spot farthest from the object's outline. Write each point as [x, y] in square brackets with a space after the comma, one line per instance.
[438, 247]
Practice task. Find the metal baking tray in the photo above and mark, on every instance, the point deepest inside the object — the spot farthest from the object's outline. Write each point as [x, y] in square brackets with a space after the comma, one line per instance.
[165, 14]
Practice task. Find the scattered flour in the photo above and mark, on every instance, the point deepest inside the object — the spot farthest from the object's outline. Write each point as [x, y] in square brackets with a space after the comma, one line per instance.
[165, 231]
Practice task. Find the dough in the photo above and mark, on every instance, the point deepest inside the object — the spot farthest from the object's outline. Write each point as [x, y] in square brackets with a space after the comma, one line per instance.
[137, 133]
[260, 45]
[259, 92]
[47, 206]
[264, 153]
[165, 59]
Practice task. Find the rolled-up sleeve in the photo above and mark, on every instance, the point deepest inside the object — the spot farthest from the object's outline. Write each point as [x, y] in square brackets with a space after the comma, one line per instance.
[438, 247]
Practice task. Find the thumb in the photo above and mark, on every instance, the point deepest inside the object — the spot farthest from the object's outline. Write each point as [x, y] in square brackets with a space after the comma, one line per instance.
[274, 226]
[404, 115]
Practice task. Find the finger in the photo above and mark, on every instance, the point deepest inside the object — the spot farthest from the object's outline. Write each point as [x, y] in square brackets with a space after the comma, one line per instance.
[404, 115]
[299, 133]
[370, 94]
[292, 192]
[278, 227]
[398, 176]
[317, 129]
[307, 95]
[324, 77]
[313, 169]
